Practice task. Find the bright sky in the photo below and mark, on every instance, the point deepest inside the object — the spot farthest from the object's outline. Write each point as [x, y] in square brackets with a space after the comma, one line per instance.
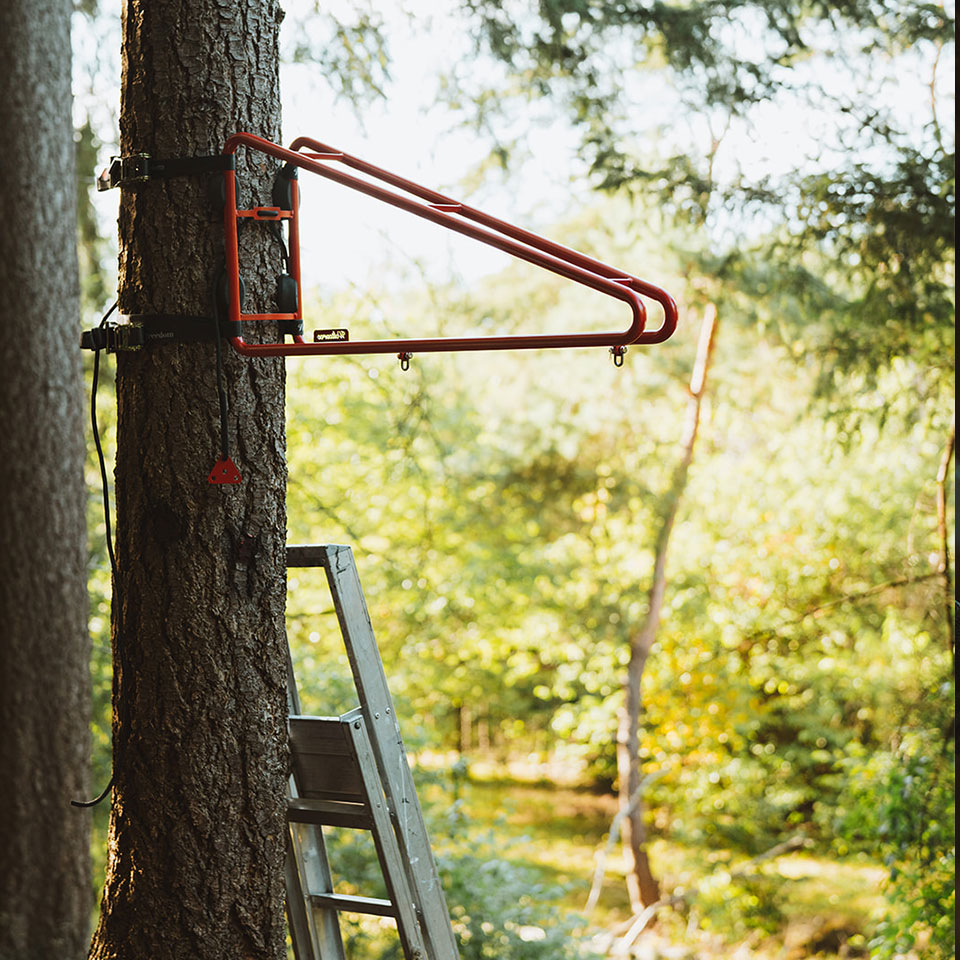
[349, 239]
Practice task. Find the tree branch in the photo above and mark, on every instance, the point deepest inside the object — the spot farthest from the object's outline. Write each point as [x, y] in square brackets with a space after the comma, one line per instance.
[933, 97]
[862, 595]
[846, 598]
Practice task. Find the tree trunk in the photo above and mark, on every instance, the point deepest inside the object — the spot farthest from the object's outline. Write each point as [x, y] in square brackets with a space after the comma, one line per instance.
[45, 890]
[197, 829]
[949, 601]
[641, 883]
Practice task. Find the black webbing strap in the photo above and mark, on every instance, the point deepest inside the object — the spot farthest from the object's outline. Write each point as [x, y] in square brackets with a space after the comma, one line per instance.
[141, 166]
[165, 328]
[151, 329]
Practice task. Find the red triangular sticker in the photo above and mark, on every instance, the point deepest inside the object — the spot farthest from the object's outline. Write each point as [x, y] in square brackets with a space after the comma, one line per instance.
[225, 471]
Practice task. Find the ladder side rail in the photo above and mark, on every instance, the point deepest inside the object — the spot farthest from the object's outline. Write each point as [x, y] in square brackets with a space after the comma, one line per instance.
[387, 744]
[388, 850]
[315, 932]
[303, 931]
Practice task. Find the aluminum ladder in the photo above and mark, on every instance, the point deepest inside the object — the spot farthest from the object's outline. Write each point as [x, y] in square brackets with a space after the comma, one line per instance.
[352, 771]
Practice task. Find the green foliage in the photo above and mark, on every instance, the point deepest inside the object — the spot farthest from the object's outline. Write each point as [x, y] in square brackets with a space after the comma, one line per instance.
[862, 278]
[500, 906]
[351, 53]
[737, 907]
[904, 800]
[570, 51]
[847, 246]
[500, 909]
[502, 510]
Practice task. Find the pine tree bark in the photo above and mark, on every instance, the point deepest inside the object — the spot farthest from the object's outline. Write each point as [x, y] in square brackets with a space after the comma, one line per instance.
[197, 831]
[45, 890]
[642, 885]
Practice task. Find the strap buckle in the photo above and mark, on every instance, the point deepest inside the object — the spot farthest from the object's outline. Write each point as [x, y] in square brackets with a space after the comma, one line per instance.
[113, 337]
[124, 170]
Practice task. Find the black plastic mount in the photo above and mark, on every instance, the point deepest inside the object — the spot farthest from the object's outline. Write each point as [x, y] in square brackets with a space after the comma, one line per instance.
[282, 194]
[141, 166]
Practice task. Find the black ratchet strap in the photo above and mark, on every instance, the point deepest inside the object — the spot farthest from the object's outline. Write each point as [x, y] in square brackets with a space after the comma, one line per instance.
[148, 329]
[140, 167]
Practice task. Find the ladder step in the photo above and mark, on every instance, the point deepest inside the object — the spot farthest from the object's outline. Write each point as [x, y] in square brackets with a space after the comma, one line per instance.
[330, 813]
[323, 760]
[306, 555]
[369, 905]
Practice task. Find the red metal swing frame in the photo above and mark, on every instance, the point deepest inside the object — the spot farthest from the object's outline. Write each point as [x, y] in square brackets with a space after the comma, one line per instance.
[445, 212]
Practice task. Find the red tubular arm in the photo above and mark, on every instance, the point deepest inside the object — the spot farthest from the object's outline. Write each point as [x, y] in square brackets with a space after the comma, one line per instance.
[663, 332]
[461, 219]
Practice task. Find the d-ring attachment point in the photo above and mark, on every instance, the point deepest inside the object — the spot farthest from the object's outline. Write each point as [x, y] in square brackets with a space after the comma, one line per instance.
[404, 359]
[618, 354]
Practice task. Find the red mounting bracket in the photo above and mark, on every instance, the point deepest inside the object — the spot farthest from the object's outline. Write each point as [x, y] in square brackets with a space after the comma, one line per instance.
[445, 212]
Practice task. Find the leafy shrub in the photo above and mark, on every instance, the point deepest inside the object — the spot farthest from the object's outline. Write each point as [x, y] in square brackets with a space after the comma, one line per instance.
[501, 911]
[500, 908]
[903, 802]
[736, 906]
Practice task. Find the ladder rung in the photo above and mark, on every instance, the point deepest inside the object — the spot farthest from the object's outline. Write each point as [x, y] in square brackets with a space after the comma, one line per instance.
[329, 813]
[340, 901]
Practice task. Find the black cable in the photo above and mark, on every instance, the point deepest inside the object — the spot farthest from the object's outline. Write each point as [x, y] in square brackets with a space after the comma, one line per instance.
[106, 513]
[95, 801]
[96, 440]
[221, 390]
[278, 234]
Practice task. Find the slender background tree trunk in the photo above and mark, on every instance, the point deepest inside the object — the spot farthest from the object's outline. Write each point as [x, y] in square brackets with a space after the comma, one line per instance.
[197, 832]
[641, 883]
[45, 890]
[949, 600]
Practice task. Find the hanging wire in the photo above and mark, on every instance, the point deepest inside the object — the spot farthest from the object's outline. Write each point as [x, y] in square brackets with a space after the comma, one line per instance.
[277, 231]
[221, 389]
[106, 513]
